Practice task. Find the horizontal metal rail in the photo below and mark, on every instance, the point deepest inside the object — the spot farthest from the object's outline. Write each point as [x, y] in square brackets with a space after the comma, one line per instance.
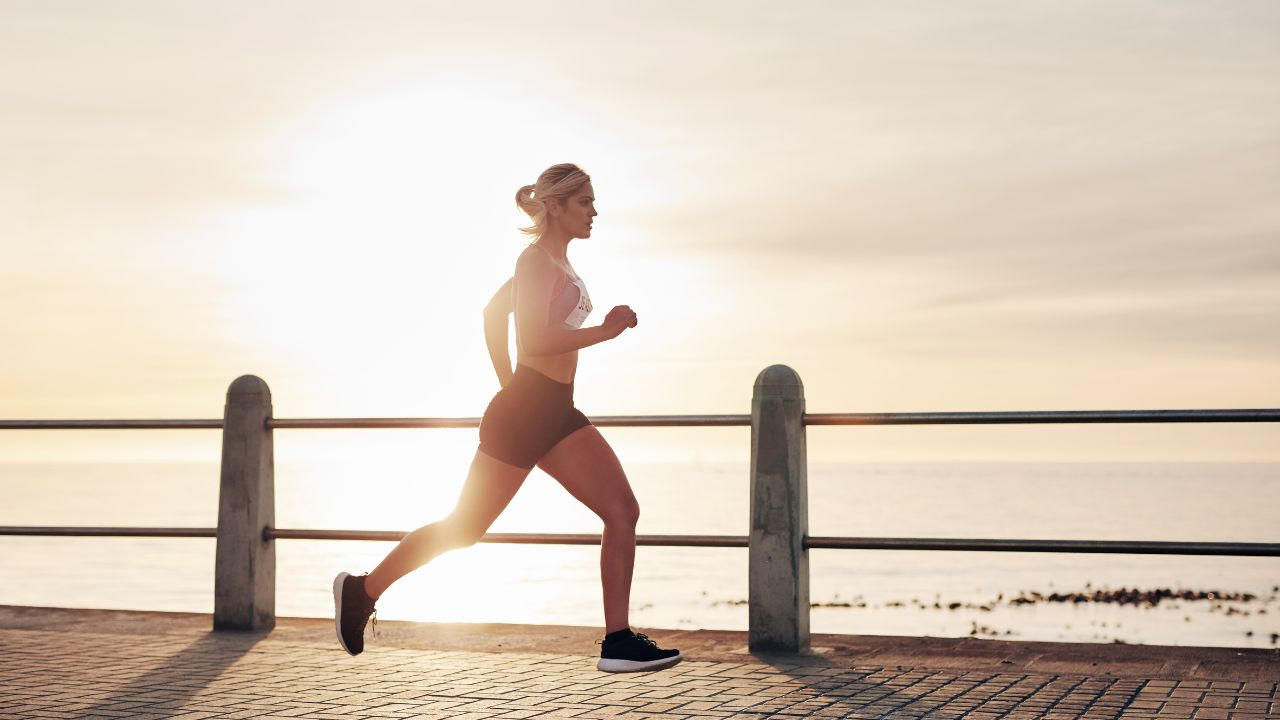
[735, 541]
[906, 418]
[1128, 547]
[109, 531]
[920, 418]
[601, 421]
[111, 424]
[1046, 416]
[392, 535]
[1131, 547]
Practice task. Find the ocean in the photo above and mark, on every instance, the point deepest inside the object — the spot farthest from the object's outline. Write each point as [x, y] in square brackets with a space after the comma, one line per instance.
[1216, 601]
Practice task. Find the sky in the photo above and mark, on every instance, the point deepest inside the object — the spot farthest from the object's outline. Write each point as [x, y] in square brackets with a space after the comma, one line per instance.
[918, 206]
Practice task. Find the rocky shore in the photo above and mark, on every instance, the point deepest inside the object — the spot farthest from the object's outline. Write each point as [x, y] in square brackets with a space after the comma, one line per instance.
[1229, 603]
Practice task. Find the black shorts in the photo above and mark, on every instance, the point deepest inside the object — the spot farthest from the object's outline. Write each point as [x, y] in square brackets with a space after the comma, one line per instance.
[528, 417]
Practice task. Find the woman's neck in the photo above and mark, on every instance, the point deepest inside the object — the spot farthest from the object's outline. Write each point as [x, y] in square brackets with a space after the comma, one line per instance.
[559, 251]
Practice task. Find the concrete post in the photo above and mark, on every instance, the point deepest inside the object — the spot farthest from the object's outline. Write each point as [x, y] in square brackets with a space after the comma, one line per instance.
[244, 590]
[778, 593]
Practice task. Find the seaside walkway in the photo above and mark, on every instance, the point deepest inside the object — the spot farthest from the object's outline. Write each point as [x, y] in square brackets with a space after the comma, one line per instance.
[59, 663]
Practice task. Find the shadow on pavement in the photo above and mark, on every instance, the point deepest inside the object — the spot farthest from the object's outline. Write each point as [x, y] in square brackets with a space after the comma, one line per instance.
[178, 678]
[820, 686]
[817, 685]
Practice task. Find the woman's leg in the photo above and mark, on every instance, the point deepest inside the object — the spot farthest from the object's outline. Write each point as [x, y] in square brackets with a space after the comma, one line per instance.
[489, 487]
[587, 467]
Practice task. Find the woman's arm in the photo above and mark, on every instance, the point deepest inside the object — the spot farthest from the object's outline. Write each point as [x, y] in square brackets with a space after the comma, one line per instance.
[495, 332]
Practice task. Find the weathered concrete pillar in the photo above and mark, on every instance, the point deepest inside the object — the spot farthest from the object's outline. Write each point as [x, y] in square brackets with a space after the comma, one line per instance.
[244, 589]
[778, 592]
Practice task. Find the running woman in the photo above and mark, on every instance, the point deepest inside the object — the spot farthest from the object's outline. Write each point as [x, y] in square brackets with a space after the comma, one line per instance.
[532, 421]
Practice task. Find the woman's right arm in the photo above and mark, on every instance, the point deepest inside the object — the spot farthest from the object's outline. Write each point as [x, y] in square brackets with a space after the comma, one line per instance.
[536, 279]
[496, 315]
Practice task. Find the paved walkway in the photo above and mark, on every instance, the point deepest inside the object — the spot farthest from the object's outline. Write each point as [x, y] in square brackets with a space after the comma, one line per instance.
[108, 664]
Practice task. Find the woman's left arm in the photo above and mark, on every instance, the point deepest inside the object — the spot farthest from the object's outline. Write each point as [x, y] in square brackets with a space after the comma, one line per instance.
[495, 332]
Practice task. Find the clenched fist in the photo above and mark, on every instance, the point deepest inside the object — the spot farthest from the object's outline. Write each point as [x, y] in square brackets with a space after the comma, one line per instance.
[620, 318]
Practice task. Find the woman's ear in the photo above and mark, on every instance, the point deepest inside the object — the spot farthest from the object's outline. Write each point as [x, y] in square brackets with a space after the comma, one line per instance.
[553, 207]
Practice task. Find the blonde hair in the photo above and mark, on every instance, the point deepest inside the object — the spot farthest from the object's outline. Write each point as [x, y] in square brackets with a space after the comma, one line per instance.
[557, 182]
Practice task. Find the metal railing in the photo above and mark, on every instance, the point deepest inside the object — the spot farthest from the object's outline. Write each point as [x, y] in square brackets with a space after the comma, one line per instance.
[905, 418]
[778, 543]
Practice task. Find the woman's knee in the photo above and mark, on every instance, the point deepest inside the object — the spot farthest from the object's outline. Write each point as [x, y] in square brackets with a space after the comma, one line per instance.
[624, 515]
[461, 532]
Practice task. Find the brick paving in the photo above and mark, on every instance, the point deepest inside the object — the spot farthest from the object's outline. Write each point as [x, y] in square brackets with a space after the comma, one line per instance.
[95, 669]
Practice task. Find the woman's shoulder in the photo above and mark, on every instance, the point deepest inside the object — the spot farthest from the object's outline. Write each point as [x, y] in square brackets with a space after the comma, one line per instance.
[536, 256]
[536, 259]
[534, 253]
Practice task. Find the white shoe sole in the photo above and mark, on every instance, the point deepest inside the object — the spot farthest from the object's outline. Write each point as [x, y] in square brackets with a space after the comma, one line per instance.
[621, 666]
[337, 609]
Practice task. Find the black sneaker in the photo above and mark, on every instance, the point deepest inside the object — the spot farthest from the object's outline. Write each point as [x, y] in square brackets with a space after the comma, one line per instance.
[633, 652]
[352, 608]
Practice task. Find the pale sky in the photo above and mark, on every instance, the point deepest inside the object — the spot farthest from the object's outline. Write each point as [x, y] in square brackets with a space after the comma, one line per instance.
[919, 206]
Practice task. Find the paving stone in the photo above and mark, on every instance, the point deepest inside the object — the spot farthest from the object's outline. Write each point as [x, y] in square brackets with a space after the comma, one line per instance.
[66, 673]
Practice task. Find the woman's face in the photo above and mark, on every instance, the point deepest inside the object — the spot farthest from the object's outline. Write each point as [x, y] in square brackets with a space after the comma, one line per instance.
[577, 211]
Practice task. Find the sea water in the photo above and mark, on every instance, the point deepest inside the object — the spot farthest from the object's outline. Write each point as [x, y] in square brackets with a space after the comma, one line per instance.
[881, 592]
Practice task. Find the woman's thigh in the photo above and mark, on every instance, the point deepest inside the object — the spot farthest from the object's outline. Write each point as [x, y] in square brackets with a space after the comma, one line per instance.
[488, 489]
[585, 464]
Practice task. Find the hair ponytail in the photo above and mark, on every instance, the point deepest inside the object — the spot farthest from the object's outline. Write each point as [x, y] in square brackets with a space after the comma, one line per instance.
[532, 207]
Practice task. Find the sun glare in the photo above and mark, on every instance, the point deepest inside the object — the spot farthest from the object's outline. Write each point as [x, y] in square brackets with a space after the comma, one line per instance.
[397, 225]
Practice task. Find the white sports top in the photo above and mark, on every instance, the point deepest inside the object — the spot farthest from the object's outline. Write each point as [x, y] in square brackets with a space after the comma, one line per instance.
[572, 302]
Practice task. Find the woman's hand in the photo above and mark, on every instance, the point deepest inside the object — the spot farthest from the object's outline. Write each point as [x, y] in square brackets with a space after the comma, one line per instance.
[620, 318]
